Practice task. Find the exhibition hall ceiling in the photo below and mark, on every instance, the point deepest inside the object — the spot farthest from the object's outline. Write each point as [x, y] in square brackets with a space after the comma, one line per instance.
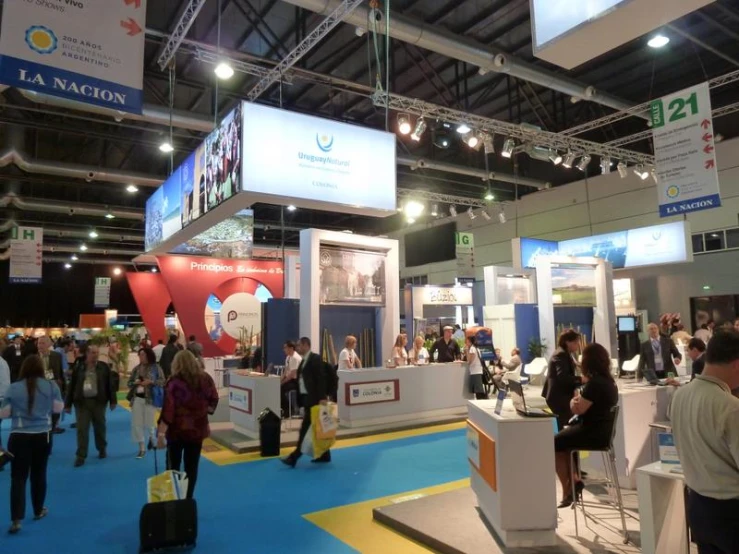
[335, 80]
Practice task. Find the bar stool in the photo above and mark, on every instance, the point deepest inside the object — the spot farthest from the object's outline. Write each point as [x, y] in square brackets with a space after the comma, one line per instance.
[611, 480]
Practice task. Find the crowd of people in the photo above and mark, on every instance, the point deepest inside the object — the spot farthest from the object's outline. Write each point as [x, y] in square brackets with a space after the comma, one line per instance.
[39, 381]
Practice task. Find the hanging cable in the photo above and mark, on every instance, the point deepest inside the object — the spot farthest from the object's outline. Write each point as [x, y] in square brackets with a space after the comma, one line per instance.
[387, 62]
[218, 47]
[171, 110]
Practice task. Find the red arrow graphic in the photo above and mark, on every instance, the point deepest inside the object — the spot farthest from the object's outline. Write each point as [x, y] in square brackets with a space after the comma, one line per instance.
[705, 124]
[710, 164]
[707, 137]
[132, 26]
[137, 2]
[708, 148]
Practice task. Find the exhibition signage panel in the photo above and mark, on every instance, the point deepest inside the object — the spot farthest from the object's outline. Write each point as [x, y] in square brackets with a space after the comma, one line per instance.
[571, 32]
[465, 255]
[685, 152]
[83, 50]
[102, 292]
[241, 311]
[442, 296]
[239, 398]
[26, 253]
[481, 454]
[352, 277]
[321, 162]
[372, 392]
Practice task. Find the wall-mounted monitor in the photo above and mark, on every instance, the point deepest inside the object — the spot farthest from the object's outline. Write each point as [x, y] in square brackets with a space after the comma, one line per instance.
[626, 324]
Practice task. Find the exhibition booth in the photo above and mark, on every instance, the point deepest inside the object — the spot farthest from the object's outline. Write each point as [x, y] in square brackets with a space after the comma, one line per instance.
[429, 308]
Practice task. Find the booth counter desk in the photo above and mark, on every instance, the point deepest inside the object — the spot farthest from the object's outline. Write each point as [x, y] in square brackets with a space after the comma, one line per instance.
[374, 396]
[512, 473]
[248, 394]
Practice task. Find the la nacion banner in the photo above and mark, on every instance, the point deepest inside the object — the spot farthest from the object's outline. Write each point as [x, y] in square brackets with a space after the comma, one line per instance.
[83, 50]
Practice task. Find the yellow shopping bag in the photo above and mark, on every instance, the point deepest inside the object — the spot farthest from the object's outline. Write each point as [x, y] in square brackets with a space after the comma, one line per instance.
[169, 485]
[324, 424]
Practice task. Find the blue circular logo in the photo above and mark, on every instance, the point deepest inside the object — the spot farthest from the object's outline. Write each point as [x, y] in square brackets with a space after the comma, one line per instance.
[325, 142]
[41, 39]
[673, 191]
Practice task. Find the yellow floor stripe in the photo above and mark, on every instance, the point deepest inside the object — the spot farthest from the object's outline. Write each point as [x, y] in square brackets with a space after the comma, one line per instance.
[222, 456]
[353, 524]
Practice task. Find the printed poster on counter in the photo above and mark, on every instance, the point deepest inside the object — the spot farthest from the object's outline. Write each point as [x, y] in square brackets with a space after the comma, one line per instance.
[685, 152]
[352, 277]
[84, 50]
[26, 254]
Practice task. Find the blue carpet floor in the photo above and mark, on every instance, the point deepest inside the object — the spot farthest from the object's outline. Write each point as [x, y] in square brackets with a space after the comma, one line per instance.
[253, 507]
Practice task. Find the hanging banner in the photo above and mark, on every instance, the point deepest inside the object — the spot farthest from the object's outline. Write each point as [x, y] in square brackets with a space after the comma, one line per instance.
[465, 255]
[102, 292]
[88, 51]
[684, 152]
[26, 253]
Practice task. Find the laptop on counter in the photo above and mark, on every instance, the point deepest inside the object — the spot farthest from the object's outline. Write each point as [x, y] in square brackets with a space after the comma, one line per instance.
[519, 402]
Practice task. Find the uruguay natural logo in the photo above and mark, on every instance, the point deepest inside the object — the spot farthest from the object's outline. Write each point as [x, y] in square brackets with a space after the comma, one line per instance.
[325, 142]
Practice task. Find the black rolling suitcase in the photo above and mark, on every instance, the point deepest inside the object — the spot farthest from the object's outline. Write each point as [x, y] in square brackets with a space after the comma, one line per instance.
[168, 525]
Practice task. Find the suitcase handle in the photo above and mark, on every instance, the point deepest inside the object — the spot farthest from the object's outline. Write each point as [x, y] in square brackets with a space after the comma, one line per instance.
[156, 461]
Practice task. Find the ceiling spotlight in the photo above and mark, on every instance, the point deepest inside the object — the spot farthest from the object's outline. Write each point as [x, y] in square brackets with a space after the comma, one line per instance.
[166, 147]
[453, 211]
[555, 157]
[463, 129]
[658, 41]
[583, 165]
[472, 140]
[67, 265]
[489, 196]
[501, 216]
[508, 147]
[485, 215]
[410, 220]
[93, 234]
[471, 213]
[74, 258]
[655, 177]
[224, 71]
[641, 173]
[487, 142]
[605, 165]
[117, 271]
[291, 208]
[132, 189]
[435, 210]
[404, 124]
[83, 247]
[154, 270]
[623, 170]
[569, 159]
[413, 209]
[109, 216]
[418, 131]
[441, 139]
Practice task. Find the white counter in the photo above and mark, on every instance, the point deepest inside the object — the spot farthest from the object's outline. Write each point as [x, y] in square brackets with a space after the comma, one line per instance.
[512, 473]
[662, 515]
[373, 396]
[640, 406]
[248, 395]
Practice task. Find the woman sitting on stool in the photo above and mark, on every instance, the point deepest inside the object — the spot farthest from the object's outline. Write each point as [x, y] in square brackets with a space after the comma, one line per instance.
[592, 430]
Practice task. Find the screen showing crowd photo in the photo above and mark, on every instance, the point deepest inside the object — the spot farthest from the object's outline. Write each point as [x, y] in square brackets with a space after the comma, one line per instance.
[352, 277]
[223, 160]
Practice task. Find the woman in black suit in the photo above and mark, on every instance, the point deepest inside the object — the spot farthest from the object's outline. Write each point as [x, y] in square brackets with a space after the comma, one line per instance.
[562, 380]
[593, 427]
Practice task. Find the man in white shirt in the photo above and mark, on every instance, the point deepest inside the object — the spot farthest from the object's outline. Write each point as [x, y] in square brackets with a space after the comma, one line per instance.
[705, 425]
[706, 331]
[158, 349]
[289, 379]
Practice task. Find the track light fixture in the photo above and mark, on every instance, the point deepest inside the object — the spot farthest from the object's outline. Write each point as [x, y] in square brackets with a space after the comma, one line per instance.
[404, 124]
[487, 142]
[623, 170]
[641, 172]
[489, 196]
[485, 215]
[413, 210]
[472, 140]
[453, 211]
[501, 216]
[435, 210]
[508, 146]
[569, 159]
[420, 128]
[605, 166]
[655, 177]
[584, 162]
[555, 157]
[471, 213]
[463, 129]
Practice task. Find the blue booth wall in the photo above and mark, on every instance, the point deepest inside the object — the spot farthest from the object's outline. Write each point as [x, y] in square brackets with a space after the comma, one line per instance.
[570, 316]
[281, 324]
[349, 320]
[527, 327]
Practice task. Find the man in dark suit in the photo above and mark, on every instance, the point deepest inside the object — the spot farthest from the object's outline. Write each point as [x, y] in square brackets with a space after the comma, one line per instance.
[697, 353]
[53, 371]
[658, 354]
[312, 389]
[13, 354]
[168, 354]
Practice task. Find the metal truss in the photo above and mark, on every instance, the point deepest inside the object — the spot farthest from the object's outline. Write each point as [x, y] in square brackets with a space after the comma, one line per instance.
[641, 108]
[521, 133]
[442, 198]
[718, 112]
[326, 26]
[189, 13]
[241, 66]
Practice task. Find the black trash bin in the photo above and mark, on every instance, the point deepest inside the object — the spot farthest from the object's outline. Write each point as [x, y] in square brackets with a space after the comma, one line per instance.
[270, 426]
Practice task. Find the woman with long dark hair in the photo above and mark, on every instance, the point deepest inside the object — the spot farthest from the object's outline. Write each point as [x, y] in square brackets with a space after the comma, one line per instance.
[592, 430]
[562, 379]
[144, 378]
[29, 403]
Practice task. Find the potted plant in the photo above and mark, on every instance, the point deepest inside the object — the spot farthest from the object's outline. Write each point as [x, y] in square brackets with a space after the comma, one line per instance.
[538, 347]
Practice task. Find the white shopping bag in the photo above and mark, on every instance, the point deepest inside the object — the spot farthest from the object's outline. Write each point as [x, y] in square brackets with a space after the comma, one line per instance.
[307, 446]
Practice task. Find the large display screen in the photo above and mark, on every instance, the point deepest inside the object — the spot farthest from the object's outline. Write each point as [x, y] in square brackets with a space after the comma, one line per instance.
[553, 18]
[354, 277]
[231, 238]
[208, 177]
[435, 244]
[655, 245]
[311, 158]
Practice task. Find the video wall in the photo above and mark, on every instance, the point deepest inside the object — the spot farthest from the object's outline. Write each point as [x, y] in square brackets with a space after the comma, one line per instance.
[352, 277]
[209, 176]
[231, 238]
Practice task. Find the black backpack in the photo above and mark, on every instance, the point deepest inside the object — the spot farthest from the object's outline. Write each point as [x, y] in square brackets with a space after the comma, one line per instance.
[332, 380]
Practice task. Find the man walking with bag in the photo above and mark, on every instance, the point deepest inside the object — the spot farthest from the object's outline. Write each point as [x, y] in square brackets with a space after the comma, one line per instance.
[312, 389]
